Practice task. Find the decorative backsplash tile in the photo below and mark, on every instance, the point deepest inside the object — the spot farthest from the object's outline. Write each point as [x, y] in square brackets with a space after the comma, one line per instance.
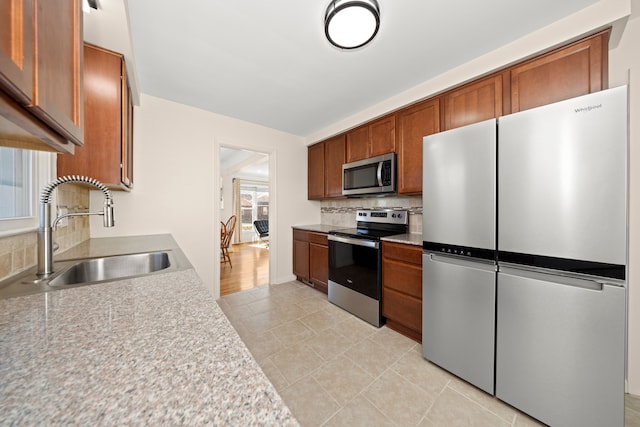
[342, 212]
[19, 252]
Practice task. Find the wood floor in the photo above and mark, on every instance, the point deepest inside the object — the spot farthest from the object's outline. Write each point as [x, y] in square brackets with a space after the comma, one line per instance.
[250, 269]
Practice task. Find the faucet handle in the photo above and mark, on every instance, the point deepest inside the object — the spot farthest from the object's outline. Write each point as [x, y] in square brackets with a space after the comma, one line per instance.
[107, 217]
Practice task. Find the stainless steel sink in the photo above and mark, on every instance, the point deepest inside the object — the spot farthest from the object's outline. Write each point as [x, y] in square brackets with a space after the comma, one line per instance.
[87, 271]
[111, 268]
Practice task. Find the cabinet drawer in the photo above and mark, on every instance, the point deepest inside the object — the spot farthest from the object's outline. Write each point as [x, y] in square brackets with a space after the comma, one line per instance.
[402, 277]
[402, 252]
[301, 235]
[310, 236]
[402, 309]
[318, 238]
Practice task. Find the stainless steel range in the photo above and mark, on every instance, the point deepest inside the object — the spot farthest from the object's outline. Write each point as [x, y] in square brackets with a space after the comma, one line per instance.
[355, 262]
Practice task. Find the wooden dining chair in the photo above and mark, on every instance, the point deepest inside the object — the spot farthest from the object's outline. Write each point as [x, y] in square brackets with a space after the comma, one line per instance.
[226, 233]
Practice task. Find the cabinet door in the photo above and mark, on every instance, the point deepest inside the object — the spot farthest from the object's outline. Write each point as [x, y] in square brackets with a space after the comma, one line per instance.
[101, 155]
[16, 48]
[473, 103]
[572, 71]
[402, 277]
[319, 266]
[382, 135]
[127, 136]
[358, 146]
[301, 259]
[413, 124]
[334, 155]
[402, 288]
[57, 96]
[403, 313]
[315, 169]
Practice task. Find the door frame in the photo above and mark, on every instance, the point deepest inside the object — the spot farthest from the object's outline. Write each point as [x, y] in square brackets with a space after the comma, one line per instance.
[273, 206]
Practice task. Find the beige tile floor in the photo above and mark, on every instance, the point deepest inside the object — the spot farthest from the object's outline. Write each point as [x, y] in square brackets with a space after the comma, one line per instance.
[332, 369]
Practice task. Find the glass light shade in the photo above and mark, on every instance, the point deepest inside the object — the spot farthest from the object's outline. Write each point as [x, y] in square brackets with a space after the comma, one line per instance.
[349, 24]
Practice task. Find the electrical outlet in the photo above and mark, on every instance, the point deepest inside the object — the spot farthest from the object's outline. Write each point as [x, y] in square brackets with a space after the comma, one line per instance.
[64, 221]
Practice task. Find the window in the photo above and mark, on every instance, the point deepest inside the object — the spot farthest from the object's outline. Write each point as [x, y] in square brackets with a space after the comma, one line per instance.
[254, 204]
[16, 168]
[22, 174]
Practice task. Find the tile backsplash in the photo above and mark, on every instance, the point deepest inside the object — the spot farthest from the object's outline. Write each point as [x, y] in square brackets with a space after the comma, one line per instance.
[18, 252]
[342, 212]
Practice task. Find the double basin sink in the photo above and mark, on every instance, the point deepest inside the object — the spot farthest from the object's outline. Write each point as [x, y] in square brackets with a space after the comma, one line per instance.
[90, 271]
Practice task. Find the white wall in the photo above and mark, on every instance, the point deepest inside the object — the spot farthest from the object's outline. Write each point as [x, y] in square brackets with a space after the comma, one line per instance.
[176, 174]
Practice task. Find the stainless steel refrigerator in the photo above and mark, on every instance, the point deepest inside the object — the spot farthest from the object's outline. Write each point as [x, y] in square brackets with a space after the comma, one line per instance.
[546, 316]
[458, 265]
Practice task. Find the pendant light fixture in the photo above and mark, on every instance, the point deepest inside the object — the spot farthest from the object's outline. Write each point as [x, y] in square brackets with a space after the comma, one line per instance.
[350, 24]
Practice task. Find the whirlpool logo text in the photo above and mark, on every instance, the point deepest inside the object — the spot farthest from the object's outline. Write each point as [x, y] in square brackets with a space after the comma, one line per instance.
[588, 108]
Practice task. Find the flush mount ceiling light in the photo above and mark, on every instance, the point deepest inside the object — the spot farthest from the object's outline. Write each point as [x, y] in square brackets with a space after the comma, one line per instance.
[350, 24]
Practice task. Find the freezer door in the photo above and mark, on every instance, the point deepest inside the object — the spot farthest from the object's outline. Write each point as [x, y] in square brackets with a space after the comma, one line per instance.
[563, 179]
[459, 186]
[560, 348]
[458, 317]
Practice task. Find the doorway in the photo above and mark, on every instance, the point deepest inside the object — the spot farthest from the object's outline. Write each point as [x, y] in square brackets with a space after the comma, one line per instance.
[244, 193]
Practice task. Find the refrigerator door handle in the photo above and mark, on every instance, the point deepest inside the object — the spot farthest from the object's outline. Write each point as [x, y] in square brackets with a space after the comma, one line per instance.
[476, 263]
[561, 279]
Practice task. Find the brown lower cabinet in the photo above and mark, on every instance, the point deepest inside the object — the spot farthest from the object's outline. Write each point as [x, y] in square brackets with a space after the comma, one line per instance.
[402, 288]
[311, 258]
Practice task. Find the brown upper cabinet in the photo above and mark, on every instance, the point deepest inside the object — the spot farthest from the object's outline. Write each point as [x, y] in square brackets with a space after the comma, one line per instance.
[574, 70]
[108, 148]
[334, 155]
[41, 74]
[473, 103]
[372, 139]
[16, 48]
[325, 161]
[414, 123]
[315, 171]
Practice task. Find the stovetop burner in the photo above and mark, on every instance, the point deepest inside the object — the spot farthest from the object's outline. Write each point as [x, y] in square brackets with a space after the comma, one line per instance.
[378, 223]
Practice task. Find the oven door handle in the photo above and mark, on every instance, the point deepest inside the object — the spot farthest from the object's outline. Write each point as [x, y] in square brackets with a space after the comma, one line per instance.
[351, 241]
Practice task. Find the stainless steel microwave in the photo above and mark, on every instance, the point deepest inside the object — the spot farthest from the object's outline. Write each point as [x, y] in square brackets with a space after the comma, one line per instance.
[375, 175]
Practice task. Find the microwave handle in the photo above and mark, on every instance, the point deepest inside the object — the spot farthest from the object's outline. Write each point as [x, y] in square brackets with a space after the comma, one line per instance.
[379, 174]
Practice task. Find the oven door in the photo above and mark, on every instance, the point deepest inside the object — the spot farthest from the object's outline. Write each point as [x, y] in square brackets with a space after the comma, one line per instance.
[355, 264]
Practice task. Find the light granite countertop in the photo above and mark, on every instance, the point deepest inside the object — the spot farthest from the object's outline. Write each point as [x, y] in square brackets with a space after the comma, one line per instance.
[150, 350]
[409, 239]
[318, 228]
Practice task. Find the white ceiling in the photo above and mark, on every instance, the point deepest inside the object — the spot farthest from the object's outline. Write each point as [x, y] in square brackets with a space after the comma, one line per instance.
[269, 63]
[244, 164]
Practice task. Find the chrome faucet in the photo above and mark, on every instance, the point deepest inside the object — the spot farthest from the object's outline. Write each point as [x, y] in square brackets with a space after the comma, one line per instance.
[45, 230]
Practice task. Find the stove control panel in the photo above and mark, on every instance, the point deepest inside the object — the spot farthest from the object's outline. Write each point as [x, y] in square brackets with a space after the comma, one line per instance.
[386, 216]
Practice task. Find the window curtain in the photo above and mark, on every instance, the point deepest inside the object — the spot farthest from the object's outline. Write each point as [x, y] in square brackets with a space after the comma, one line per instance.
[237, 203]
